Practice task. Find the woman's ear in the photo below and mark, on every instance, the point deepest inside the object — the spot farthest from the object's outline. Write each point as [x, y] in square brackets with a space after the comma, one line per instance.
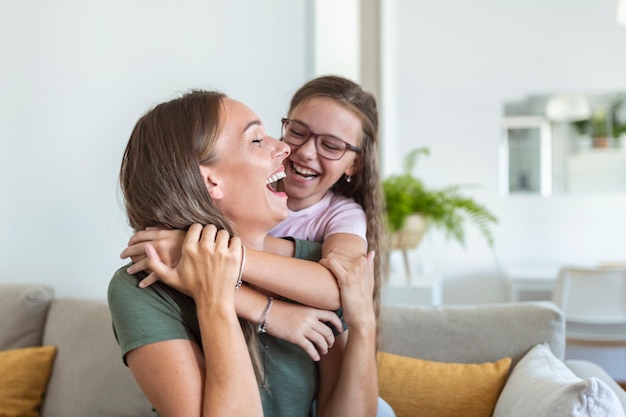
[211, 183]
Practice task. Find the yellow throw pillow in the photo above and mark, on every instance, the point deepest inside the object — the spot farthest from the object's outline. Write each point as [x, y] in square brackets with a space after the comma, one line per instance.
[24, 375]
[416, 387]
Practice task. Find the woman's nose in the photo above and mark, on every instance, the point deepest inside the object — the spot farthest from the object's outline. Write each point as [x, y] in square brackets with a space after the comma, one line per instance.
[282, 149]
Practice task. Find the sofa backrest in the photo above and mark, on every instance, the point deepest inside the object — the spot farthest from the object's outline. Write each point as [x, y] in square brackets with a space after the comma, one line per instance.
[472, 334]
[23, 312]
[89, 378]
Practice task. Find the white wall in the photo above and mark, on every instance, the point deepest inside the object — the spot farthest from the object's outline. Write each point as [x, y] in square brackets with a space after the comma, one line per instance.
[447, 70]
[75, 75]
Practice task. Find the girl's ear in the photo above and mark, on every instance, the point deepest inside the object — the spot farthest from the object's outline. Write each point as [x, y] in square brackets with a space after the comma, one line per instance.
[211, 182]
[355, 166]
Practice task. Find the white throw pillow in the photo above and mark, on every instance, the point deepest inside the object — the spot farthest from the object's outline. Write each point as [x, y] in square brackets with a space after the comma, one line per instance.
[542, 385]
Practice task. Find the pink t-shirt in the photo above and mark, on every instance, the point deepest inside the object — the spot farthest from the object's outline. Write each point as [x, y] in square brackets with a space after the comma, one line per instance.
[332, 214]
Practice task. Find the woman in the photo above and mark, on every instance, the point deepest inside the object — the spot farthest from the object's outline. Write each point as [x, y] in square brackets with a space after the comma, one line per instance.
[334, 189]
[190, 161]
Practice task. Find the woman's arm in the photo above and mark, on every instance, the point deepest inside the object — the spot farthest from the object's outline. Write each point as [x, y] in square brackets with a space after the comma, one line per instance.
[348, 373]
[178, 377]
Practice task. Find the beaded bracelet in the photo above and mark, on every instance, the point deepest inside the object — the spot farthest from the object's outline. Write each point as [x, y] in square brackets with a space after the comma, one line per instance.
[262, 325]
[243, 261]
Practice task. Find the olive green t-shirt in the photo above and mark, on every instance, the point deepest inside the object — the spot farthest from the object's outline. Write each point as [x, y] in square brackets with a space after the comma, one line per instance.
[159, 313]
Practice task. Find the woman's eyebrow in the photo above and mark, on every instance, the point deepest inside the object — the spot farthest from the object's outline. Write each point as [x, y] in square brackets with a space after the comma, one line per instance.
[251, 124]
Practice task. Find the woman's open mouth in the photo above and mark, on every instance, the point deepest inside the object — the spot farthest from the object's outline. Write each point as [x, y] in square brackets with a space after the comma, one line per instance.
[272, 182]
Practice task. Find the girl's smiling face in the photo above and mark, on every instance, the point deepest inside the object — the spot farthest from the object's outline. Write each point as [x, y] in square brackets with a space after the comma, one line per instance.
[309, 176]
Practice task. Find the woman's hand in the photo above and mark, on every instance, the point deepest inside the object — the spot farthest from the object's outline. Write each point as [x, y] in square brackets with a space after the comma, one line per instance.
[355, 277]
[167, 243]
[348, 374]
[209, 265]
[304, 326]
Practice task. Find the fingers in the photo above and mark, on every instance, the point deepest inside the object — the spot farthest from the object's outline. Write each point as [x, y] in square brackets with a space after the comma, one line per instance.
[335, 321]
[143, 236]
[304, 326]
[136, 243]
[134, 250]
[309, 349]
[141, 265]
[149, 280]
[155, 264]
[317, 341]
[193, 234]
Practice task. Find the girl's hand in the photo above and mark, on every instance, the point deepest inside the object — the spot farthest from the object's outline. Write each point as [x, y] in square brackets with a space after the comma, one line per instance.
[209, 266]
[304, 326]
[167, 243]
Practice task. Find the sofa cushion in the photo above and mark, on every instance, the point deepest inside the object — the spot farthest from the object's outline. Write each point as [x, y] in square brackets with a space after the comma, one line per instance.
[542, 385]
[89, 378]
[585, 369]
[23, 310]
[472, 334]
[24, 374]
[416, 387]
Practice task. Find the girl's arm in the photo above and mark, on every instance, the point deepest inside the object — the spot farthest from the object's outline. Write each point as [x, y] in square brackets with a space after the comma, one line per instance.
[348, 373]
[303, 281]
[177, 376]
[298, 324]
[301, 325]
[348, 243]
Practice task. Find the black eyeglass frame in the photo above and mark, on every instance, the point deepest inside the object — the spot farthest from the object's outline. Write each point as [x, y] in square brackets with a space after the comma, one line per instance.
[314, 135]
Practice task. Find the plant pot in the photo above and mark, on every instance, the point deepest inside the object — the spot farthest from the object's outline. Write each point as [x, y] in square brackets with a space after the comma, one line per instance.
[410, 235]
[601, 142]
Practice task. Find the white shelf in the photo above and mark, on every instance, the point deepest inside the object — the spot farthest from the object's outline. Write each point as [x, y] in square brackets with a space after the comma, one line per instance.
[423, 290]
[531, 283]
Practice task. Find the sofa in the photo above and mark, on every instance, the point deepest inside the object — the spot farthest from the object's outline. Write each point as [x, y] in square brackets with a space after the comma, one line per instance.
[65, 349]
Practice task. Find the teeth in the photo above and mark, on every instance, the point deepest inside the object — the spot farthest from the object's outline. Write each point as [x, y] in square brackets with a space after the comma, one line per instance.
[303, 171]
[278, 176]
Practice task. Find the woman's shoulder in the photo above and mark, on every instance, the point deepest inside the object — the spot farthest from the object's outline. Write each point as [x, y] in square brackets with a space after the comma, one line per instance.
[122, 280]
[124, 287]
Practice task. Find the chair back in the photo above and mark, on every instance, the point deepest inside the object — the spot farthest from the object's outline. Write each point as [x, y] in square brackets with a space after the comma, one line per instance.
[592, 295]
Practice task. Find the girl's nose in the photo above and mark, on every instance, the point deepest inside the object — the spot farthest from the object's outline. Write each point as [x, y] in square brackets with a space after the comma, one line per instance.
[308, 149]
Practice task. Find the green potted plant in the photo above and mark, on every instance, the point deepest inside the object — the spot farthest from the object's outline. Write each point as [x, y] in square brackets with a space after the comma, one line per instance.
[599, 128]
[407, 198]
[605, 122]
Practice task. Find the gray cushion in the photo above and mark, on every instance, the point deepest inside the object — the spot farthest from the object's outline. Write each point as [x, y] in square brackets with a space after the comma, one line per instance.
[89, 378]
[23, 311]
[585, 369]
[472, 334]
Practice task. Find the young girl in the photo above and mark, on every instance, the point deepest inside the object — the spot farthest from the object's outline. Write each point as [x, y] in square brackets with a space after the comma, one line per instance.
[333, 180]
[332, 176]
